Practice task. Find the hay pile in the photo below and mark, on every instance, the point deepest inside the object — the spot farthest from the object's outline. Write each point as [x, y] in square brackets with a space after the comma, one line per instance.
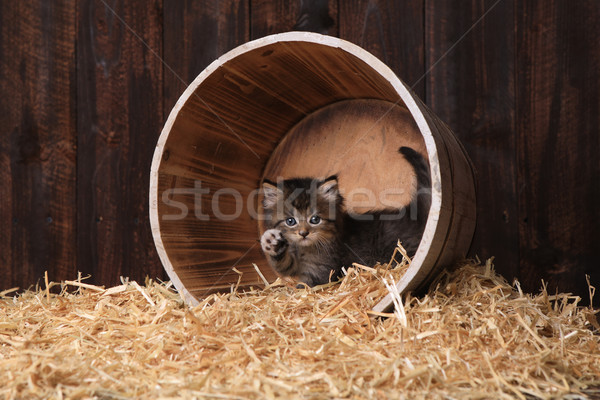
[475, 336]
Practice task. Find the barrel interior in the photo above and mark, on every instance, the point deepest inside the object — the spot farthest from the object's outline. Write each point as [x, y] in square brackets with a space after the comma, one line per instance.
[358, 141]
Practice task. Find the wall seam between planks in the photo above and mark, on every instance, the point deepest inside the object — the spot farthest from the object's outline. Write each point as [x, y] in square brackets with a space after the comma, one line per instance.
[338, 18]
[250, 20]
[517, 137]
[424, 44]
[77, 215]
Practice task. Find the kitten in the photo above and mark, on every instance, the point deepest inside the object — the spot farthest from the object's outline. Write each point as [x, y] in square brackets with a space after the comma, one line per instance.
[308, 235]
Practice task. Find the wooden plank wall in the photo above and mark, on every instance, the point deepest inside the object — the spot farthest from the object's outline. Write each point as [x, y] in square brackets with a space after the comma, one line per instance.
[38, 142]
[86, 86]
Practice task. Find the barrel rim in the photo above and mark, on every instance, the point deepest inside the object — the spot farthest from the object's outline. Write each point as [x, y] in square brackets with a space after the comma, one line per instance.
[310, 37]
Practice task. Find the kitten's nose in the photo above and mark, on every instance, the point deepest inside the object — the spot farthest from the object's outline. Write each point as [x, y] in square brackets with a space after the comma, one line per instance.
[303, 233]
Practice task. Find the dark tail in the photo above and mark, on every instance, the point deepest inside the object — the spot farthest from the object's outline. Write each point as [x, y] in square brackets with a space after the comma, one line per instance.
[419, 208]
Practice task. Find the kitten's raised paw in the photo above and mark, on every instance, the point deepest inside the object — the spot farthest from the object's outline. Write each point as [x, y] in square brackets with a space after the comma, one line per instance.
[273, 243]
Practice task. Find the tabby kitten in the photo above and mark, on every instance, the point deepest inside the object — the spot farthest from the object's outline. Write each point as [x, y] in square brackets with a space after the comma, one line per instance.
[309, 235]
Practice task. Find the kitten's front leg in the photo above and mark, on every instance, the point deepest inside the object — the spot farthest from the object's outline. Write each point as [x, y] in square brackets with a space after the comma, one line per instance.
[318, 275]
[275, 248]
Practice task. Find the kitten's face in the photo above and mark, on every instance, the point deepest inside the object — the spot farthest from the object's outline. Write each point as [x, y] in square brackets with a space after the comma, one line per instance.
[304, 210]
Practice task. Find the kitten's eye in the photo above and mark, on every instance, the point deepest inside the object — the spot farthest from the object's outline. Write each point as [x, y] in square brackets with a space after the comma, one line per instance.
[290, 221]
[315, 219]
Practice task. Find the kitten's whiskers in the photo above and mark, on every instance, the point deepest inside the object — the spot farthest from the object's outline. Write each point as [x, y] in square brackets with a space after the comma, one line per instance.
[323, 245]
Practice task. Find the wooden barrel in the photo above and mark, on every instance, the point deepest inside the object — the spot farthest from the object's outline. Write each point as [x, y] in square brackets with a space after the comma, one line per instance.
[292, 104]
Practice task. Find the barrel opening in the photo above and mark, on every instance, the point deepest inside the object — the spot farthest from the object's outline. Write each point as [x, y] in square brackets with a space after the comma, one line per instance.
[231, 127]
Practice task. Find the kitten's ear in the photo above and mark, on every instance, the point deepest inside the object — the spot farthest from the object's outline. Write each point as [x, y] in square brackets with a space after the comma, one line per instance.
[328, 188]
[270, 194]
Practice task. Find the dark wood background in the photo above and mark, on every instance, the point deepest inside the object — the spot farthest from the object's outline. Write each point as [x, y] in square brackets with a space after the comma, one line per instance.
[85, 87]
